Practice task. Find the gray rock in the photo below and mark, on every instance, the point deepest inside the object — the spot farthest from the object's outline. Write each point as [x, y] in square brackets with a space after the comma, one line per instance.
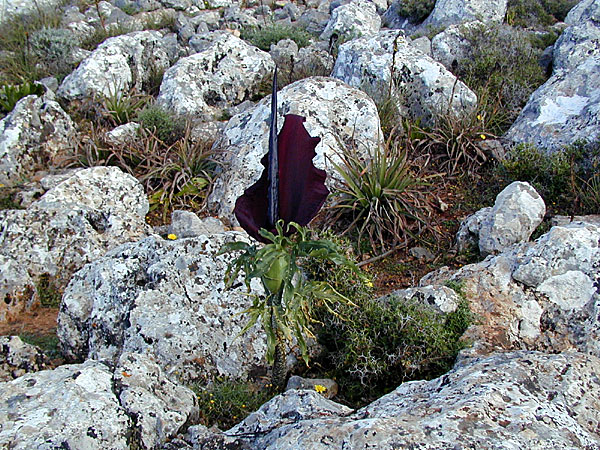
[123, 134]
[313, 21]
[450, 46]
[538, 296]
[313, 61]
[450, 12]
[159, 407]
[235, 18]
[10, 11]
[284, 54]
[18, 358]
[421, 85]
[36, 132]
[72, 406]
[354, 19]
[71, 225]
[472, 406]
[423, 44]
[324, 386]
[565, 108]
[223, 74]
[118, 64]
[467, 236]
[334, 112]
[186, 224]
[442, 298]
[517, 212]
[583, 11]
[166, 299]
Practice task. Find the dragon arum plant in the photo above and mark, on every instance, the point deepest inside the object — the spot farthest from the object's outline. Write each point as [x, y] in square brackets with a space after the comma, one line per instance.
[286, 310]
[288, 195]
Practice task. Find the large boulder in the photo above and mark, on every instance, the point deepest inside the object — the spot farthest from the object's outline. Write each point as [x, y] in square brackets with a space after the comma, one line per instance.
[87, 406]
[118, 64]
[482, 403]
[386, 64]
[338, 114]
[357, 18]
[517, 212]
[226, 72]
[72, 224]
[540, 296]
[450, 46]
[68, 407]
[450, 12]
[565, 108]
[166, 299]
[35, 134]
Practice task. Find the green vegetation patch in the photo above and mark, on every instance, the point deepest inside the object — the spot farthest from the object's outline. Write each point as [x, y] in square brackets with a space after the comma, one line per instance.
[537, 14]
[380, 343]
[49, 344]
[272, 34]
[416, 11]
[226, 402]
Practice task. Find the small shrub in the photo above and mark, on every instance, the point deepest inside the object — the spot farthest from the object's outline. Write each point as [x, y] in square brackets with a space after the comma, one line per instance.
[101, 34]
[226, 402]
[374, 347]
[567, 179]
[11, 94]
[272, 34]
[416, 11]
[53, 47]
[537, 14]
[381, 194]
[163, 124]
[501, 61]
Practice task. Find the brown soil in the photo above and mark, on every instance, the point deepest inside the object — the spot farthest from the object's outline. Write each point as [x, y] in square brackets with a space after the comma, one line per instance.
[38, 322]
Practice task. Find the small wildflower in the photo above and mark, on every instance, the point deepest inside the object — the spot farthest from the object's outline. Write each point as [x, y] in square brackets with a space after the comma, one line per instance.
[479, 117]
[172, 236]
[212, 401]
[482, 136]
[369, 283]
[243, 406]
[320, 388]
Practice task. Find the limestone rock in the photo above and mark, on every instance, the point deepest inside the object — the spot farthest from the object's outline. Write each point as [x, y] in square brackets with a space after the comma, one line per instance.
[37, 132]
[540, 295]
[166, 299]
[467, 236]
[159, 406]
[72, 406]
[72, 224]
[473, 406]
[326, 387]
[123, 134]
[186, 224]
[357, 18]
[227, 72]
[565, 108]
[450, 46]
[517, 212]
[450, 12]
[12, 10]
[118, 64]
[334, 112]
[18, 358]
[423, 88]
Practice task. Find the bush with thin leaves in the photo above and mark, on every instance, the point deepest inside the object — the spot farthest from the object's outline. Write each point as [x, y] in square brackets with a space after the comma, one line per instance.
[122, 107]
[381, 194]
[381, 343]
[11, 94]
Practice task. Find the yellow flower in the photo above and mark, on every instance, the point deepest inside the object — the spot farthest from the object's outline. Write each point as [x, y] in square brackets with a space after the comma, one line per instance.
[482, 136]
[320, 388]
[369, 283]
[212, 401]
[172, 236]
[478, 116]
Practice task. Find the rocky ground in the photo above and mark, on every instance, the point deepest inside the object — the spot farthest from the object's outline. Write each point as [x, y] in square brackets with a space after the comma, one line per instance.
[142, 316]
